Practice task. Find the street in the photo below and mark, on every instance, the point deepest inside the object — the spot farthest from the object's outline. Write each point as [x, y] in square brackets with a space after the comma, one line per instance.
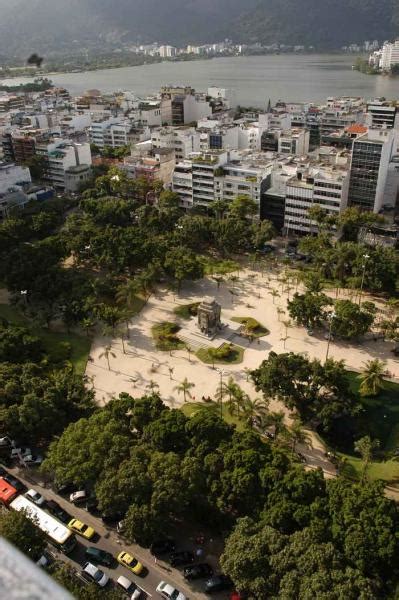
[108, 539]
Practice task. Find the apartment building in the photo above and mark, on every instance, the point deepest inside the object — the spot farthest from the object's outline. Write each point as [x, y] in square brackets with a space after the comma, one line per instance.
[110, 131]
[11, 102]
[323, 186]
[382, 114]
[294, 142]
[338, 115]
[371, 156]
[156, 164]
[12, 176]
[60, 155]
[183, 140]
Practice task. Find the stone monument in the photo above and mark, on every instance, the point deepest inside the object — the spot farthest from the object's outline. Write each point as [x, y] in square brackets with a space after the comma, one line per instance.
[209, 312]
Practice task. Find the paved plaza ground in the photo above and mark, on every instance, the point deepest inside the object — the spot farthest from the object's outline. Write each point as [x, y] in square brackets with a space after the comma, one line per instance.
[142, 364]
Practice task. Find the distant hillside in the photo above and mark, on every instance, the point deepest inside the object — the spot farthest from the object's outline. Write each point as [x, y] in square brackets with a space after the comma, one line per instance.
[72, 24]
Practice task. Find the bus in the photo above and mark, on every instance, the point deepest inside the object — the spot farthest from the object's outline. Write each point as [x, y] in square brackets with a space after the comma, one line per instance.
[58, 535]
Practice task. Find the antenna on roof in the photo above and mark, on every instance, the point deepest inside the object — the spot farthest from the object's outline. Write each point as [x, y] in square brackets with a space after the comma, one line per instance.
[269, 107]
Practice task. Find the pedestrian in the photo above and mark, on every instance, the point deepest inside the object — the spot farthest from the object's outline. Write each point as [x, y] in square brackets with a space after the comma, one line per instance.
[155, 560]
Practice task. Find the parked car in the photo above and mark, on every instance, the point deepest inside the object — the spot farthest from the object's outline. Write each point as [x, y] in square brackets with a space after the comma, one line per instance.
[169, 592]
[218, 583]
[127, 560]
[57, 511]
[98, 556]
[198, 571]
[131, 589]
[78, 497]
[181, 558]
[95, 574]
[81, 529]
[37, 498]
[32, 459]
[19, 486]
[164, 546]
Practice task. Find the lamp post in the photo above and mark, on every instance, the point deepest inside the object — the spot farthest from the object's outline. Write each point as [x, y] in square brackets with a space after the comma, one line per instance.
[221, 373]
[330, 318]
[24, 294]
[366, 257]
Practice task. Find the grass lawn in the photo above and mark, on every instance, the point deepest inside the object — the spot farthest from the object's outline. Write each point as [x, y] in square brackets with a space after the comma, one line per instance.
[379, 420]
[252, 326]
[186, 311]
[387, 471]
[234, 357]
[191, 408]
[165, 338]
[51, 340]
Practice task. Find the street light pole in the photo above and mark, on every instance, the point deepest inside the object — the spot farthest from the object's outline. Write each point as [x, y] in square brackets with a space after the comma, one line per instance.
[330, 318]
[221, 373]
[366, 257]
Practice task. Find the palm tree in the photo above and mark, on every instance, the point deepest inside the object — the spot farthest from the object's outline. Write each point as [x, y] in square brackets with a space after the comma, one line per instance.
[127, 293]
[151, 385]
[189, 350]
[298, 435]
[287, 324]
[185, 386]
[106, 354]
[213, 355]
[284, 339]
[372, 378]
[87, 324]
[274, 293]
[365, 447]
[253, 409]
[230, 389]
[276, 420]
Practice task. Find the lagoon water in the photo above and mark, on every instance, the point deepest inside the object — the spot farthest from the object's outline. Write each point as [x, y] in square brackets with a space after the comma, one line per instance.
[252, 80]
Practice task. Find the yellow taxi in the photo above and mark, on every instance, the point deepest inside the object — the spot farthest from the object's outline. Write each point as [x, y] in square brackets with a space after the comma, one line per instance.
[81, 528]
[127, 560]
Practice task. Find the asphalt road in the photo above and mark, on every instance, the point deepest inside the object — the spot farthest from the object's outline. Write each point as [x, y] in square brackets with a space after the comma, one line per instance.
[108, 539]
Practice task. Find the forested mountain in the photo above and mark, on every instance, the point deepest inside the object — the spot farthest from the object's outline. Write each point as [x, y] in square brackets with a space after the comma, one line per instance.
[58, 24]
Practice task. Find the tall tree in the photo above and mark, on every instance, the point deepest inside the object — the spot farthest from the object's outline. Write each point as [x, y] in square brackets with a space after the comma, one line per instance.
[372, 378]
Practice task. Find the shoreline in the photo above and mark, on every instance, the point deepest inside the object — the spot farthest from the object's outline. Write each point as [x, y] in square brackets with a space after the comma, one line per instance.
[89, 68]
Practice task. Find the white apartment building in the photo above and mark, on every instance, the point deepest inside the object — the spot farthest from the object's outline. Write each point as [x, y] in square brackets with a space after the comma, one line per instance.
[389, 55]
[167, 51]
[13, 176]
[294, 142]
[219, 175]
[109, 132]
[323, 186]
[339, 114]
[61, 155]
[184, 140]
[75, 123]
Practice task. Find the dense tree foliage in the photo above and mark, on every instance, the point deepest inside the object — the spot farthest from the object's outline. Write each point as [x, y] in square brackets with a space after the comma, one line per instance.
[22, 533]
[319, 392]
[292, 534]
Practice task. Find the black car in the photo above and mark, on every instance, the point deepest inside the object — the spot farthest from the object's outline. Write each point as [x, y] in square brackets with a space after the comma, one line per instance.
[16, 483]
[218, 583]
[177, 559]
[163, 546]
[98, 556]
[57, 511]
[198, 571]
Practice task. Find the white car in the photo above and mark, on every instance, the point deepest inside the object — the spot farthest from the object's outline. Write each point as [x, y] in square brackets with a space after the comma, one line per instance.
[129, 587]
[79, 496]
[94, 573]
[37, 498]
[169, 592]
